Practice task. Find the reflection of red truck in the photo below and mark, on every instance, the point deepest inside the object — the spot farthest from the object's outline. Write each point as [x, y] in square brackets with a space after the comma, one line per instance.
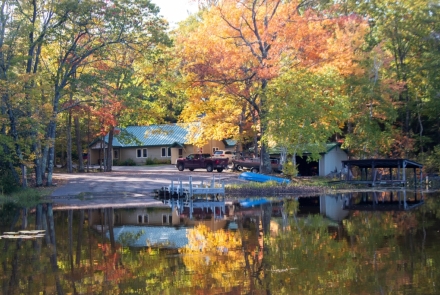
[204, 161]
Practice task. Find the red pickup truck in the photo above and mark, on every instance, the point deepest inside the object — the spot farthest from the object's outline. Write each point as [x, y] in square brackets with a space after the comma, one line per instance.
[204, 161]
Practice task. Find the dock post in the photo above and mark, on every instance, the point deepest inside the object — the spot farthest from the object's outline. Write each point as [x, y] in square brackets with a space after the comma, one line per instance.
[171, 190]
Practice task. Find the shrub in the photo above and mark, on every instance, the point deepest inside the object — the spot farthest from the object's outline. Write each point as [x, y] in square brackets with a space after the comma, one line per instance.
[432, 161]
[8, 184]
[150, 161]
[155, 161]
[128, 162]
[7, 213]
[23, 197]
[290, 170]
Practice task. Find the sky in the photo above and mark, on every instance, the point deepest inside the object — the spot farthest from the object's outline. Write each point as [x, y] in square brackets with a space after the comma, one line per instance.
[175, 10]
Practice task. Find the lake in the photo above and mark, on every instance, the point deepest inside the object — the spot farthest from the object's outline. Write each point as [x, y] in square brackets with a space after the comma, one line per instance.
[384, 242]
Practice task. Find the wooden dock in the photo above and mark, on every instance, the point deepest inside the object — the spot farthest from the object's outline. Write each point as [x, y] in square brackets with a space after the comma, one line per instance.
[191, 189]
[203, 196]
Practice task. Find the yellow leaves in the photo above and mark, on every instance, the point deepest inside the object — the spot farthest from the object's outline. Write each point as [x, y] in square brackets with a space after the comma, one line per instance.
[202, 239]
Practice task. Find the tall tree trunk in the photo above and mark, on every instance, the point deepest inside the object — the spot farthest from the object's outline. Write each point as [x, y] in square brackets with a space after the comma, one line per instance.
[51, 151]
[69, 143]
[80, 237]
[109, 155]
[53, 255]
[70, 237]
[110, 212]
[14, 133]
[79, 149]
[36, 147]
[265, 165]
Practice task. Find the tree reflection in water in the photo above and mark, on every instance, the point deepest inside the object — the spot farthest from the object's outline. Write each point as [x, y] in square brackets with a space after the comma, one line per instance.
[287, 253]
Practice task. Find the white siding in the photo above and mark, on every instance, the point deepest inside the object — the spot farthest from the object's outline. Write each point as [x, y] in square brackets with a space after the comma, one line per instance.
[331, 160]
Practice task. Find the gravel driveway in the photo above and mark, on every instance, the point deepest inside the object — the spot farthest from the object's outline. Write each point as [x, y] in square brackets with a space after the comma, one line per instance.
[128, 184]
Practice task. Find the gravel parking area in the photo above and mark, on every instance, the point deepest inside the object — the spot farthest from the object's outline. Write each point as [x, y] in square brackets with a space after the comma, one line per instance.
[127, 185]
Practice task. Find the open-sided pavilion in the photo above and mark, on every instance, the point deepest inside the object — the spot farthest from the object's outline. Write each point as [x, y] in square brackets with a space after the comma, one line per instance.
[375, 172]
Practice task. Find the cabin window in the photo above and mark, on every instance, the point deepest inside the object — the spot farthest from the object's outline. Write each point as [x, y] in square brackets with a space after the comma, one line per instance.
[141, 153]
[180, 153]
[115, 154]
[164, 219]
[166, 152]
[145, 218]
[139, 218]
[170, 219]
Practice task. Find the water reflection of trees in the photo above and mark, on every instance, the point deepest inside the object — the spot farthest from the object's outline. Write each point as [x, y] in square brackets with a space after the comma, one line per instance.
[369, 252]
[21, 259]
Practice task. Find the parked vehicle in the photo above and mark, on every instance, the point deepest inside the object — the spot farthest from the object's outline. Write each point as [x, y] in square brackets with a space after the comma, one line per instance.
[225, 154]
[203, 161]
[253, 164]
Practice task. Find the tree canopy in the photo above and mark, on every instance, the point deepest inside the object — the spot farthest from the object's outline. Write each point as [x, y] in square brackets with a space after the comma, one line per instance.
[290, 74]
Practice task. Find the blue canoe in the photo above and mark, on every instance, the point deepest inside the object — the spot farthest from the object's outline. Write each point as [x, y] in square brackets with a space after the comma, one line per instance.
[261, 177]
[253, 202]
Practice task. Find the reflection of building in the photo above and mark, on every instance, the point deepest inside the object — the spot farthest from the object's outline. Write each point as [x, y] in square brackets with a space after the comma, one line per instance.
[336, 207]
[332, 207]
[383, 200]
[152, 226]
[137, 216]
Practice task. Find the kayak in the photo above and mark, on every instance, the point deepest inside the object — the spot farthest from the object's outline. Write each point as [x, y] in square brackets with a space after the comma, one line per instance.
[261, 177]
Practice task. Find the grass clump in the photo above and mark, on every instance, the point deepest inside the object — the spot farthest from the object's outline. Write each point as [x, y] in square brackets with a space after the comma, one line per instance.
[26, 197]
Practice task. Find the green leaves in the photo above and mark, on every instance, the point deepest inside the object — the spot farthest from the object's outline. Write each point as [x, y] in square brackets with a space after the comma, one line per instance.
[306, 109]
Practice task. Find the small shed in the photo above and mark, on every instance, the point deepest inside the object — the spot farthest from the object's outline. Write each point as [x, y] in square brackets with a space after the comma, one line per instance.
[381, 171]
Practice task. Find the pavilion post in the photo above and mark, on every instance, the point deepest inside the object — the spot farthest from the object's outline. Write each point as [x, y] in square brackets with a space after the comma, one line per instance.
[415, 177]
[404, 172]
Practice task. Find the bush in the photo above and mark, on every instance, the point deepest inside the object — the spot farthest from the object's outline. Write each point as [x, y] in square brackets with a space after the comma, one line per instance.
[7, 213]
[431, 164]
[290, 170]
[155, 161]
[23, 197]
[128, 162]
[8, 184]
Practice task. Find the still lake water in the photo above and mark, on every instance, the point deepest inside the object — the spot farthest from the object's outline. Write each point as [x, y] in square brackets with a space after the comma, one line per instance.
[354, 243]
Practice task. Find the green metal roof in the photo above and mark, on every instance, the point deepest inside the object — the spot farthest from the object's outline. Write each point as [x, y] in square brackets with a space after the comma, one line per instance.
[328, 146]
[153, 135]
[229, 142]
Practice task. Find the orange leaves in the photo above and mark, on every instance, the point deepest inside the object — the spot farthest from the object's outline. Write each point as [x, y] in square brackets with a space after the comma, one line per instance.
[112, 265]
[108, 113]
[238, 39]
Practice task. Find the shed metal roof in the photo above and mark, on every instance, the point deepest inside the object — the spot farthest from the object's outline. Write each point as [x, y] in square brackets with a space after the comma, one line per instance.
[328, 148]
